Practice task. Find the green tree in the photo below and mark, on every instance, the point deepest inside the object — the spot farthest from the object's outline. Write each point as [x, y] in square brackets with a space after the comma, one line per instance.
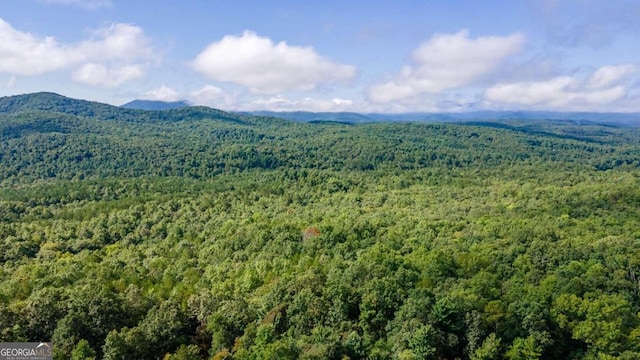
[83, 351]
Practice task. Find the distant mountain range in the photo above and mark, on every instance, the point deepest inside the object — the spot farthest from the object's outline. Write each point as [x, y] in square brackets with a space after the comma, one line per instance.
[161, 110]
[155, 105]
[629, 119]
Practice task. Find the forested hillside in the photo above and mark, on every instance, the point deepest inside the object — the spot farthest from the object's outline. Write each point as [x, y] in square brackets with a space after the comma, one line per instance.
[194, 233]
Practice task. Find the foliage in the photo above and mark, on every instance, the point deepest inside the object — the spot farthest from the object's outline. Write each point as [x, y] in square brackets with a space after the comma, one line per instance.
[198, 234]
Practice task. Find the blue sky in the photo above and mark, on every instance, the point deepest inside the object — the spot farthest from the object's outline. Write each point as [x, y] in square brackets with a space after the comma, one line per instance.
[364, 56]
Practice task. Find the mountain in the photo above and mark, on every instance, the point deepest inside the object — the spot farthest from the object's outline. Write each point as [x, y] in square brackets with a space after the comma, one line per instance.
[145, 110]
[47, 101]
[629, 119]
[305, 116]
[50, 103]
[154, 105]
[47, 135]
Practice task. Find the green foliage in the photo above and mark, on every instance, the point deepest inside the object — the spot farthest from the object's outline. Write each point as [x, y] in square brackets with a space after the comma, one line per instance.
[489, 350]
[524, 349]
[185, 352]
[83, 351]
[198, 234]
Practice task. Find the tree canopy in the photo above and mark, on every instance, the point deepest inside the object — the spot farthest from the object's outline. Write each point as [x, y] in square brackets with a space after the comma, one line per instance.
[198, 234]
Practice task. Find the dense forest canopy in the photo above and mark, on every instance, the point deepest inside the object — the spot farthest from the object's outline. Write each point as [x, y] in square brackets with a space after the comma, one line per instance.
[194, 233]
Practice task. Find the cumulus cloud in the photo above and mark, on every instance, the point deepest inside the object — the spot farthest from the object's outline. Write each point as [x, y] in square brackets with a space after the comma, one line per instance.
[100, 75]
[117, 42]
[601, 89]
[212, 96]
[86, 4]
[24, 54]
[111, 57]
[609, 75]
[118, 48]
[266, 67]
[447, 61]
[208, 92]
[162, 93]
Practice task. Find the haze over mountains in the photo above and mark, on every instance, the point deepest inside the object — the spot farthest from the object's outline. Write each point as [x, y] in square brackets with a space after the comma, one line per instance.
[46, 101]
[155, 105]
[630, 119]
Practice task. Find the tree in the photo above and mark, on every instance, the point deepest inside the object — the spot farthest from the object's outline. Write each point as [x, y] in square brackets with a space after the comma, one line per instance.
[83, 351]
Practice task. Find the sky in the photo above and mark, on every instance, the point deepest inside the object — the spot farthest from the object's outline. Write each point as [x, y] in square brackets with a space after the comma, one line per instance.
[347, 55]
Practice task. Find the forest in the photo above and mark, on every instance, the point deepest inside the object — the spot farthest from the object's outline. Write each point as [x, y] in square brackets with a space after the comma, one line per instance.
[195, 233]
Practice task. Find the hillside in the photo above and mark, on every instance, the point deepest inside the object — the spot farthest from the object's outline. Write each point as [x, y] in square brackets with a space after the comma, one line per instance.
[194, 233]
[77, 139]
[52, 102]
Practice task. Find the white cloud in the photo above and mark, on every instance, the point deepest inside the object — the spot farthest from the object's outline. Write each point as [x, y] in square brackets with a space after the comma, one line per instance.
[110, 58]
[86, 4]
[610, 75]
[163, 93]
[555, 92]
[208, 92]
[601, 90]
[212, 96]
[24, 54]
[117, 42]
[280, 103]
[100, 75]
[216, 97]
[265, 67]
[342, 102]
[447, 61]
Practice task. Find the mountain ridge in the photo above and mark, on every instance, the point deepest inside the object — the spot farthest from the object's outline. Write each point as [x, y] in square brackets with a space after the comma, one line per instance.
[52, 102]
[48, 101]
[629, 119]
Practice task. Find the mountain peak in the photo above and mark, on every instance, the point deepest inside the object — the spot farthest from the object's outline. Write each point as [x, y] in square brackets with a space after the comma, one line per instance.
[44, 101]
